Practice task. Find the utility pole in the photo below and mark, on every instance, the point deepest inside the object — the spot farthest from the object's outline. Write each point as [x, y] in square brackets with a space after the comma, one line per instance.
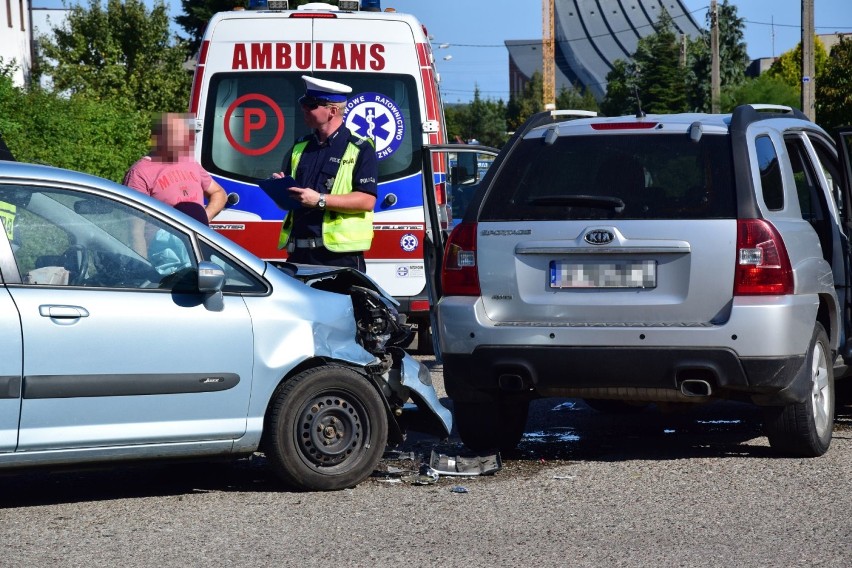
[548, 54]
[808, 106]
[715, 81]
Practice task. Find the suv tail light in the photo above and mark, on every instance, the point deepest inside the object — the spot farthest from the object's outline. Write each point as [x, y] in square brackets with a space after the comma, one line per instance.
[458, 275]
[763, 266]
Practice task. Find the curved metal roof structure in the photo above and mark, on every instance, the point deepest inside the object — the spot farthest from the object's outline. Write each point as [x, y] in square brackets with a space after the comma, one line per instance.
[592, 34]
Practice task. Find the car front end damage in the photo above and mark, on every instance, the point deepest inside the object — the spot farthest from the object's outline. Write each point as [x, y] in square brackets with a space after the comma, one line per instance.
[381, 331]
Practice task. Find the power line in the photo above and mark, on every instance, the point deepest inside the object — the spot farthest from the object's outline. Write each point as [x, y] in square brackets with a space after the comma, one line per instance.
[532, 43]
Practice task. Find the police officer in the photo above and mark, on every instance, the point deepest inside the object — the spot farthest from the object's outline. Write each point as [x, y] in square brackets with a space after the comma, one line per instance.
[336, 174]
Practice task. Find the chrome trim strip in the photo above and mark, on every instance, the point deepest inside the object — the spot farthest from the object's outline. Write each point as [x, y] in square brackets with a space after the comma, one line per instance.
[539, 249]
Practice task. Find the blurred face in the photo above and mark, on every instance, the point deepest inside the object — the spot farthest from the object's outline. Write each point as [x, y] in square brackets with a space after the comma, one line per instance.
[176, 137]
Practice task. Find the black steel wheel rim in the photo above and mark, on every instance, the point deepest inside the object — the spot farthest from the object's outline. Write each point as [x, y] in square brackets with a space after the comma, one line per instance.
[331, 427]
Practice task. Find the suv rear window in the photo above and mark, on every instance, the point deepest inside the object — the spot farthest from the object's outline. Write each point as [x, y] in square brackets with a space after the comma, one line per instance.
[659, 176]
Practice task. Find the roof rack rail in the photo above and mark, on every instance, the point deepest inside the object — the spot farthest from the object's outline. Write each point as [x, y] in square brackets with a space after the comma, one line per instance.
[746, 114]
[574, 113]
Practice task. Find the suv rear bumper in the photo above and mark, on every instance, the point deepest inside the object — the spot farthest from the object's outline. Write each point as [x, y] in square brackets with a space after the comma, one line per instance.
[757, 354]
[652, 374]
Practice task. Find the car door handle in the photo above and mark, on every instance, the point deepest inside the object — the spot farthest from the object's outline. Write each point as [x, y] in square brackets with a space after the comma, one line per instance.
[63, 312]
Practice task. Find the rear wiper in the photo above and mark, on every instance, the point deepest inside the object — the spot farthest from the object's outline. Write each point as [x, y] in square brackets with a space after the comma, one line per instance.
[599, 201]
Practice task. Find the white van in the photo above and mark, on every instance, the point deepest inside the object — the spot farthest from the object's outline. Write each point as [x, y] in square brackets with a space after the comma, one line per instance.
[245, 92]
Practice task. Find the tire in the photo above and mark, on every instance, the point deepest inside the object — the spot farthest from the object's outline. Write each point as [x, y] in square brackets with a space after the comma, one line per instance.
[485, 426]
[327, 429]
[424, 337]
[606, 406]
[804, 429]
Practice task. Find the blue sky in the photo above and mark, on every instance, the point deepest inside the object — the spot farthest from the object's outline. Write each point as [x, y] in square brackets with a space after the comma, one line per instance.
[476, 29]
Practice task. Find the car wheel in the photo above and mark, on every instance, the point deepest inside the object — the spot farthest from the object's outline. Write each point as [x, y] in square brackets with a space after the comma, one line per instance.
[607, 406]
[327, 429]
[424, 337]
[804, 428]
[492, 425]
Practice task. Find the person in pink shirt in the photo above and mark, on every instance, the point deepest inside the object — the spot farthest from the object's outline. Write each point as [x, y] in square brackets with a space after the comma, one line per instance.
[170, 173]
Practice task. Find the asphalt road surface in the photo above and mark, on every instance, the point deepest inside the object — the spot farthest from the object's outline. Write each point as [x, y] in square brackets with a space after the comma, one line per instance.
[695, 488]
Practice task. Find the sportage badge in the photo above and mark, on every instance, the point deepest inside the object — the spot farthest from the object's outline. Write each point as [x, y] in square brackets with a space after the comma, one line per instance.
[599, 237]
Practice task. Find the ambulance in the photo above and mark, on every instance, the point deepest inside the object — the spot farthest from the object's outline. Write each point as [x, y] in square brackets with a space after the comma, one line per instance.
[245, 93]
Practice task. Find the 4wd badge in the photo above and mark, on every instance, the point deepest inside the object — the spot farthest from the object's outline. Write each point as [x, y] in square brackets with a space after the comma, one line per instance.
[599, 237]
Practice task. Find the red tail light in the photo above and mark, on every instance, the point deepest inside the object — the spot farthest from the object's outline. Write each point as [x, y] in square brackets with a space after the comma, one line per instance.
[623, 125]
[313, 15]
[458, 275]
[763, 267]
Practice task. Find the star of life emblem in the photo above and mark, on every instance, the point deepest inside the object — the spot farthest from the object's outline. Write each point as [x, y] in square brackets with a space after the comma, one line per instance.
[408, 242]
[379, 118]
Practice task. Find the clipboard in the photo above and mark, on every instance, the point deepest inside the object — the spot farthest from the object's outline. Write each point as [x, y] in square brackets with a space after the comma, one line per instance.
[278, 190]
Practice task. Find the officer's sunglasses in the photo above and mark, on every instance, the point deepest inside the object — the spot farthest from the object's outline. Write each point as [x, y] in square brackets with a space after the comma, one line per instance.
[311, 103]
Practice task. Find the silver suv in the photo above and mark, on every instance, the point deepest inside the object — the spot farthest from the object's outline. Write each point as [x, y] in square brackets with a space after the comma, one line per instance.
[656, 259]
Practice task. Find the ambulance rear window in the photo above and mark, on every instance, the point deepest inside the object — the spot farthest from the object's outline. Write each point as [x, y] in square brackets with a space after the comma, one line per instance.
[252, 118]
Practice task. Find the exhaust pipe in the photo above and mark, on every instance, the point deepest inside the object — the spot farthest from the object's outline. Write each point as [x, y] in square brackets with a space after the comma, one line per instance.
[695, 387]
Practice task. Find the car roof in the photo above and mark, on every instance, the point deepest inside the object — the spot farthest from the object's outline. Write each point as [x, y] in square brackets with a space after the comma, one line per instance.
[659, 123]
[668, 123]
[12, 172]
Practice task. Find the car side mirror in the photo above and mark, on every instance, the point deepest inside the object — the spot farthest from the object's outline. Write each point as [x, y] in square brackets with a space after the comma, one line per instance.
[211, 277]
[211, 280]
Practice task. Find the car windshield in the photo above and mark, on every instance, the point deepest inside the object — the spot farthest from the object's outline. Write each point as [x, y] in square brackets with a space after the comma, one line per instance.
[252, 119]
[659, 176]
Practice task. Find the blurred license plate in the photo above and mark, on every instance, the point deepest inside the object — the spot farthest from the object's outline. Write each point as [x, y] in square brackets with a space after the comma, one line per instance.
[616, 274]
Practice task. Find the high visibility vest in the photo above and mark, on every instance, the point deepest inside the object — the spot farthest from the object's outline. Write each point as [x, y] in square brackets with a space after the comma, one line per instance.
[7, 218]
[341, 232]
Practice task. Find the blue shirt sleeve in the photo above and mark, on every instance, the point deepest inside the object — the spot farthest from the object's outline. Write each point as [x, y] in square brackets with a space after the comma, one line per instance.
[365, 177]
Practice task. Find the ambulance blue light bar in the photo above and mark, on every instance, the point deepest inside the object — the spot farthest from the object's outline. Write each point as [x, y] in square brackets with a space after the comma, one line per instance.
[355, 5]
[344, 5]
[269, 5]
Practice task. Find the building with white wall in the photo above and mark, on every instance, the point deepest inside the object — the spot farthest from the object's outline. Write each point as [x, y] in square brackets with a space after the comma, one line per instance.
[16, 38]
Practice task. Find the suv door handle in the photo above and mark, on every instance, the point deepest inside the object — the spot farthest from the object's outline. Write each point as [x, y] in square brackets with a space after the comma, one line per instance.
[62, 312]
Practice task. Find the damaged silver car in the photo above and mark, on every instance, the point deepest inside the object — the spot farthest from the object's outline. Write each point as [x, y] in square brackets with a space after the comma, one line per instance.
[130, 331]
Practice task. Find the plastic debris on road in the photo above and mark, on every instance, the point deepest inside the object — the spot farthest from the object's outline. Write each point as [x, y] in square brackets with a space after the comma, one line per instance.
[465, 466]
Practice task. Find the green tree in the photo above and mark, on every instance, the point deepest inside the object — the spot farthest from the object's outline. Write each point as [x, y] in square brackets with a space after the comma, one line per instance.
[120, 52]
[520, 108]
[763, 89]
[576, 99]
[487, 120]
[456, 118]
[655, 75]
[733, 58]
[98, 137]
[659, 75]
[196, 14]
[834, 87]
[620, 96]
[788, 67]
[481, 119]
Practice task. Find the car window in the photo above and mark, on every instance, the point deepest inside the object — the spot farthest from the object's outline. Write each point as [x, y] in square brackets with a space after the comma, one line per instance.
[830, 167]
[770, 173]
[71, 238]
[237, 278]
[807, 189]
[662, 176]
